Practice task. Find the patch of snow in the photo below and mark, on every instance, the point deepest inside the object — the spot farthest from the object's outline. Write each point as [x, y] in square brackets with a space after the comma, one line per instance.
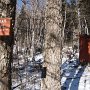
[39, 58]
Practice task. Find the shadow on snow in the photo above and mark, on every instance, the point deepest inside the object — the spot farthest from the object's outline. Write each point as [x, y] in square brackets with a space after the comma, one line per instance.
[71, 74]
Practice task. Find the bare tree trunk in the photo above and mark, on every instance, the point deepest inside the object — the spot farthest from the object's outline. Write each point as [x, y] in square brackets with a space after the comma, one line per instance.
[52, 45]
[32, 46]
[3, 67]
[6, 44]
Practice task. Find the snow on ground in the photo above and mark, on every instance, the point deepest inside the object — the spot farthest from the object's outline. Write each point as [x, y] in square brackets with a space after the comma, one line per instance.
[26, 73]
[74, 76]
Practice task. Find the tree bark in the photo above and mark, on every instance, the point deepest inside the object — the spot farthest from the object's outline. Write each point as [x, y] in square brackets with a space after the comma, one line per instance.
[7, 9]
[52, 45]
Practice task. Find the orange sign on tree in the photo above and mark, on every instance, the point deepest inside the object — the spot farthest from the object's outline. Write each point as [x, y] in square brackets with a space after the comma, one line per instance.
[5, 26]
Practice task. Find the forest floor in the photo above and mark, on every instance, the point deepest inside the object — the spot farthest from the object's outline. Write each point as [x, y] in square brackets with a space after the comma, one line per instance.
[26, 75]
[74, 76]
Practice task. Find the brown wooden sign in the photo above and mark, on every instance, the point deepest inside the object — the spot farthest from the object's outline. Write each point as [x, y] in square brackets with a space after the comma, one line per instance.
[5, 26]
[84, 46]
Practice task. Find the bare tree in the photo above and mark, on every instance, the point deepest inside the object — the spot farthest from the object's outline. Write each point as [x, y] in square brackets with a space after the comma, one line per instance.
[84, 18]
[7, 9]
[52, 45]
[29, 36]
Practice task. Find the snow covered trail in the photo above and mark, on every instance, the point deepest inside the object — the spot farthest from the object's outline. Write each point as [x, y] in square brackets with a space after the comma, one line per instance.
[74, 76]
